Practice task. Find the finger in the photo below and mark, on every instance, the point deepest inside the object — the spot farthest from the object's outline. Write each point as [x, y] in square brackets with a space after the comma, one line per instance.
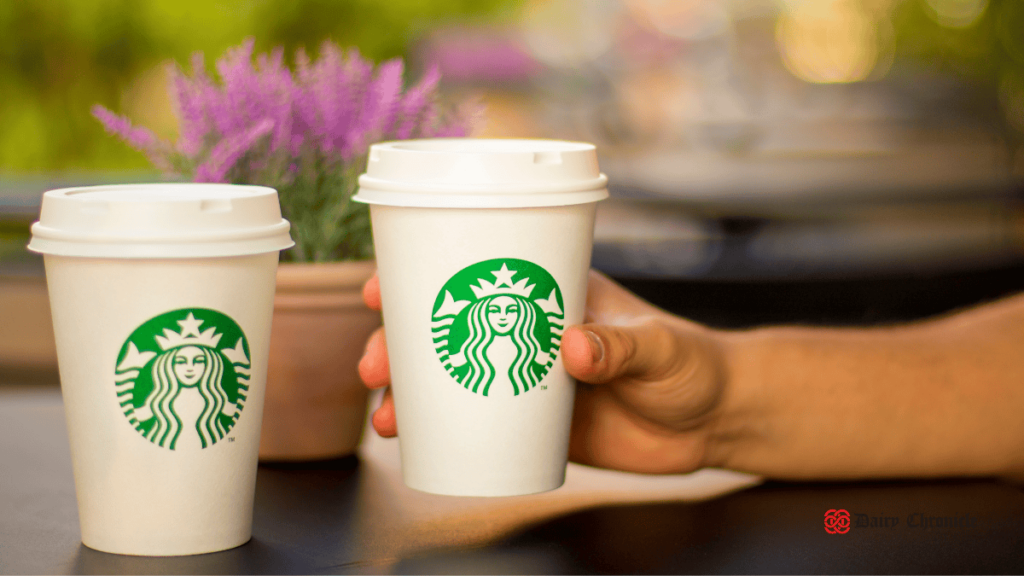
[374, 369]
[661, 374]
[598, 354]
[384, 417]
[371, 292]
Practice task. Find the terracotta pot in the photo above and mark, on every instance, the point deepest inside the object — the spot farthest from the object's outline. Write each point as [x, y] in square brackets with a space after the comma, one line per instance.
[316, 405]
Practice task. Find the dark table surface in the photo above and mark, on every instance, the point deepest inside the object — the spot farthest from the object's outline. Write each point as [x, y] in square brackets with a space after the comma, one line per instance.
[355, 515]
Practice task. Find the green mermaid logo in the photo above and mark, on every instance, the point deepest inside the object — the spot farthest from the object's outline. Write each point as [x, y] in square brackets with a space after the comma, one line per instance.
[177, 385]
[500, 336]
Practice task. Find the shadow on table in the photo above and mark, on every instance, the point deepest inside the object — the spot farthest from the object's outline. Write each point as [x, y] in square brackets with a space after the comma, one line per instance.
[776, 528]
[254, 557]
[300, 525]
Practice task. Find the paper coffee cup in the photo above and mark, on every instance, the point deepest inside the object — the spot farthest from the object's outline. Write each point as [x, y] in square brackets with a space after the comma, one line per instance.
[483, 248]
[162, 297]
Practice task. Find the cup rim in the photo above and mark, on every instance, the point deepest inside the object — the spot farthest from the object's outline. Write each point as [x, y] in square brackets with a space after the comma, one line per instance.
[485, 146]
[160, 220]
[482, 173]
[163, 186]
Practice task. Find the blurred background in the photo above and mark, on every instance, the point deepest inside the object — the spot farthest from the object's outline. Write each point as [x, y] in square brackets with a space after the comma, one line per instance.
[846, 162]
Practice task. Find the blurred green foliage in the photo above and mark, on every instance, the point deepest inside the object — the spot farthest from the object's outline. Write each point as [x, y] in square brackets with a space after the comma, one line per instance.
[59, 57]
[981, 50]
[988, 54]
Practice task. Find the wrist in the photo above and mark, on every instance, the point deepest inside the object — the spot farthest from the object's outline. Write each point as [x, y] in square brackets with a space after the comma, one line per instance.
[741, 417]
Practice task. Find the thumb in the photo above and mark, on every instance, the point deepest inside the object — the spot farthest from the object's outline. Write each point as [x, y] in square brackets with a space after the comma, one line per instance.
[597, 353]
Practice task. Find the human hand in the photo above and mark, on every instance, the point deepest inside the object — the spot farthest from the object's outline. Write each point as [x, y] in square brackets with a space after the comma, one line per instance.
[651, 384]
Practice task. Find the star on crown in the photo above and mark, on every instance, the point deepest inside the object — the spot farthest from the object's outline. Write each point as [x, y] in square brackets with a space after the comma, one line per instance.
[189, 335]
[503, 284]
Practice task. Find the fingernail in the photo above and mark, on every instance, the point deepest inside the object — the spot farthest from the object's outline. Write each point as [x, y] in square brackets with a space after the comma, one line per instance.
[596, 347]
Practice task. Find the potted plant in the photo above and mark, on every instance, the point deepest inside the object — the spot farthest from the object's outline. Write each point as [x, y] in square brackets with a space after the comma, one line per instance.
[306, 132]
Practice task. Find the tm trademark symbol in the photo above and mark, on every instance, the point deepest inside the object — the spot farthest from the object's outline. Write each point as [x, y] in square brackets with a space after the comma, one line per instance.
[231, 439]
[543, 387]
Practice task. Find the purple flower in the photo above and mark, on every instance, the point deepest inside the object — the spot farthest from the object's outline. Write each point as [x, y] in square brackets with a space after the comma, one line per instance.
[227, 152]
[416, 100]
[302, 132]
[141, 139]
[192, 97]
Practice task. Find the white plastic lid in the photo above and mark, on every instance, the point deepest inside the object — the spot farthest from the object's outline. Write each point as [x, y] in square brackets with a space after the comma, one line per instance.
[481, 173]
[160, 221]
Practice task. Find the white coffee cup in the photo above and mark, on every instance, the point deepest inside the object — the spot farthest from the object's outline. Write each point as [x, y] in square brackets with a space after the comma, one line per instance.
[162, 296]
[483, 248]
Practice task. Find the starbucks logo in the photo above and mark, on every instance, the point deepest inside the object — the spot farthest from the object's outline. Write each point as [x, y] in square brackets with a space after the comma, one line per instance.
[497, 326]
[182, 378]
